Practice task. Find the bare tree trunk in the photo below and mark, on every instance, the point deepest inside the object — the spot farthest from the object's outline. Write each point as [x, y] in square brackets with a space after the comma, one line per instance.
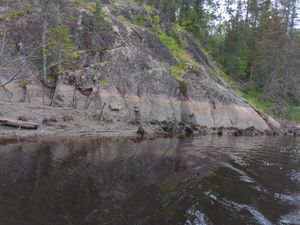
[44, 45]
[73, 100]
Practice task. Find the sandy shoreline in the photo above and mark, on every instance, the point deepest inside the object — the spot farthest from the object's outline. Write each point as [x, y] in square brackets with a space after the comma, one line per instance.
[60, 122]
[10, 133]
[71, 123]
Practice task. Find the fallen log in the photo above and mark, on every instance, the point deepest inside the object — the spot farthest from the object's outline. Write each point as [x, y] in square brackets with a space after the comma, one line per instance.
[18, 123]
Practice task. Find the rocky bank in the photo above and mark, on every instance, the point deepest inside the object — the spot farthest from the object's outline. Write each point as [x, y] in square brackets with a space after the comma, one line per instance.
[124, 85]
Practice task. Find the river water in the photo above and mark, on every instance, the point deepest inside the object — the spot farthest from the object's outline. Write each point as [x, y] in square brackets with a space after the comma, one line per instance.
[99, 181]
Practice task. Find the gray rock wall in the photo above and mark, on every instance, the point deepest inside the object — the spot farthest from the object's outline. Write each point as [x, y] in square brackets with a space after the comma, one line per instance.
[132, 77]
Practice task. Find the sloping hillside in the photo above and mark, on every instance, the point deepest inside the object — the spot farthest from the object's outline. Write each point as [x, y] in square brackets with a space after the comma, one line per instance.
[125, 63]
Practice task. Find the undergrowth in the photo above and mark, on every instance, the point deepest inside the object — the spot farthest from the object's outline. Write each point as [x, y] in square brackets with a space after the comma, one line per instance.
[294, 113]
[18, 13]
[177, 47]
[257, 99]
[174, 41]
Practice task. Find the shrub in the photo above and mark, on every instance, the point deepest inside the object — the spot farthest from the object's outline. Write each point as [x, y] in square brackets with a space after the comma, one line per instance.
[256, 98]
[294, 113]
[60, 45]
[24, 83]
[79, 2]
[179, 51]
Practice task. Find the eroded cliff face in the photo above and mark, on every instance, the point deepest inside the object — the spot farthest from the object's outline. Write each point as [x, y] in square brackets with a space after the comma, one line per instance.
[131, 79]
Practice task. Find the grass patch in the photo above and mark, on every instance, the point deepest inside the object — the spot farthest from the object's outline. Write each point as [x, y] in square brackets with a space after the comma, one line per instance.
[178, 50]
[177, 70]
[175, 43]
[79, 2]
[104, 82]
[140, 21]
[124, 20]
[294, 113]
[256, 99]
[230, 81]
[91, 6]
[148, 21]
[18, 13]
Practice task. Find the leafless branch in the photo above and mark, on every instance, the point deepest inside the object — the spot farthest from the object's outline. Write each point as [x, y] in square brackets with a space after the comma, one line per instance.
[16, 74]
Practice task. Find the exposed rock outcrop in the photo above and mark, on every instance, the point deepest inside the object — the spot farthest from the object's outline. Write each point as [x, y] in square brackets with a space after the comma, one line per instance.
[132, 82]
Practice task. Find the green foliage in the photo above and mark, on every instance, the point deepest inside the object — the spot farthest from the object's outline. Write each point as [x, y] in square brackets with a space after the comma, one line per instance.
[294, 113]
[91, 6]
[242, 63]
[124, 20]
[183, 88]
[140, 21]
[148, 8]
[179, 51]
[61, 46]
[176, 33]
[148, 21]
[98, 9]
[258, 45]
[104, 82]
[257, 99]
[18, 13]
[79, 2]
[174, 41]
[178, 69]
[24, 83]
[230, 81]
[193, 22]
[117, 4]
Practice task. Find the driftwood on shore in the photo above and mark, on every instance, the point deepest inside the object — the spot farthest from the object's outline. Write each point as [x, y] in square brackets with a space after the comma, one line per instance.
[18, 123]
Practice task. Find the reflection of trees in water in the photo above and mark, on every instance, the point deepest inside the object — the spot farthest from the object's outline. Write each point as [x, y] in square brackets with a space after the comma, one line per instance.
[103, 181]
[90, 182]
[99, 182]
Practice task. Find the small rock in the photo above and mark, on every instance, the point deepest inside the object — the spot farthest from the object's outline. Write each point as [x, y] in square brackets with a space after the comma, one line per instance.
[237, 132]
[109, 120]
[22, 118]
[189, 130]
[220, 131]
[168, 129]
[53, 119]
[250, 131]
[136, 109]
[62, 126]
[297, 132]
[45, 120]
[67, 118]
[268, 133]
[203, 130]
[290, 133]
[141, 131]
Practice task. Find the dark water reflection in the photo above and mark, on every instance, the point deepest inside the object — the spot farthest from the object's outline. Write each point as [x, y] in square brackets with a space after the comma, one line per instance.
[211, 180]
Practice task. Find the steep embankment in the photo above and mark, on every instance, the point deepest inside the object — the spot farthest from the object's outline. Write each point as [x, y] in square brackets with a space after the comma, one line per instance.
[138, 76]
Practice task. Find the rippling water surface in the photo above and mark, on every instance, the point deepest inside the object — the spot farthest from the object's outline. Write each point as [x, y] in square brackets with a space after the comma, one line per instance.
[205, 181]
